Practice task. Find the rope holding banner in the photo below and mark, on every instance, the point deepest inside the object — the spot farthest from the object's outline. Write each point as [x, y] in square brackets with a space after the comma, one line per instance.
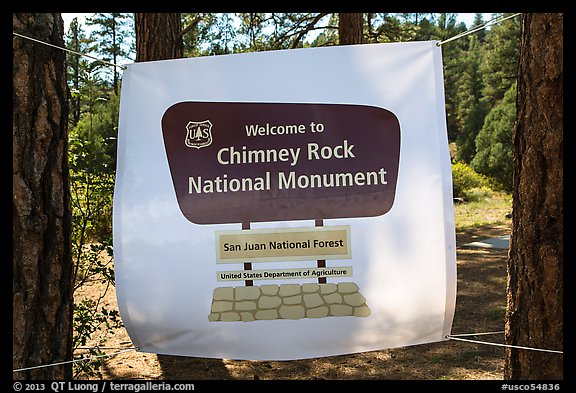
[482, 26]
[69, 50]
[450, 337]
[75, 360]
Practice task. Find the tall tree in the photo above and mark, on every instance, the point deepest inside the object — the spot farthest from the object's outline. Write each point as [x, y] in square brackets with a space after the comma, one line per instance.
[350, 28]
[83, 81]
[453, 55]
[494, 142]
[77, 66]
[499, 64]
[534, 316]
[110, 35]
[478, 20]
[158, 36]
[470, 108]
[41, 218]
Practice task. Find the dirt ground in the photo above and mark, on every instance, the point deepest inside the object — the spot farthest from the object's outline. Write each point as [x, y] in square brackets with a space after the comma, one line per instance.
[480, 307]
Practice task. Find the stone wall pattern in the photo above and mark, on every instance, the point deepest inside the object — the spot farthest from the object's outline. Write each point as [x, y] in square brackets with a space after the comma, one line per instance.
[287, 301]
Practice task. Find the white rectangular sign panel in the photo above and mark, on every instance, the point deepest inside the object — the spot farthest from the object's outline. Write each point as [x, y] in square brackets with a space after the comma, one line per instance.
[287, 204]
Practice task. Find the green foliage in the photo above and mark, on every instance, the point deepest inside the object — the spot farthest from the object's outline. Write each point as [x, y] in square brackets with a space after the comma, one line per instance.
[196, 40]
[499, 64]
[486, 70]
[93, 140]
[92, 158]
[472, 123]
[92, 164]
[494, 146]
[92, 161]
[468, 184]
[93, 263]
[92, 252]
[78, 69]
[112, 41]
[470, 108]
[91, 318]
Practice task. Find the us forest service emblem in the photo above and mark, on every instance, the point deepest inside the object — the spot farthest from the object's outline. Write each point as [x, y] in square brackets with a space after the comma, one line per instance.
[199, 134]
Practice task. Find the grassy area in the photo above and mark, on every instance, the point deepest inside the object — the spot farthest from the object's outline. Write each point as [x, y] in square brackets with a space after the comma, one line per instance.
[490, 210]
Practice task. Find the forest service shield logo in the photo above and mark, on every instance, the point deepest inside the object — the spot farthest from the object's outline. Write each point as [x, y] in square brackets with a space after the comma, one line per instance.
[199, 134]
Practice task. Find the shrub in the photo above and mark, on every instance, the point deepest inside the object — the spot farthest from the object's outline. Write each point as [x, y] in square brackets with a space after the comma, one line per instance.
[468, 184]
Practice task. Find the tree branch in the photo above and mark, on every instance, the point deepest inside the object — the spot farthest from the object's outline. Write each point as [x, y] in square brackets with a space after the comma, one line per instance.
[192, 25]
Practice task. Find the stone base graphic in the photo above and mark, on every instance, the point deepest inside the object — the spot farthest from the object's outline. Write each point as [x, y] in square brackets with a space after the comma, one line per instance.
[287, 301]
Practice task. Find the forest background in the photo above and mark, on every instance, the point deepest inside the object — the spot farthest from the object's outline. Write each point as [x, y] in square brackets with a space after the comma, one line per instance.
[480, 73]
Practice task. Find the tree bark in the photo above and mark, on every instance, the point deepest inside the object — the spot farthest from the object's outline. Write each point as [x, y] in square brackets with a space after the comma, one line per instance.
[41, 246]
[534, 315]
[350, 28]
[158, 36]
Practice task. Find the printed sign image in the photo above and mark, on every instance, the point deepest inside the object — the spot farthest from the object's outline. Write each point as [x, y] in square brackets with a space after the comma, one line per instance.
[284, 244]
[286, 204]
[250, 162]
[286, 301]
[254, 162]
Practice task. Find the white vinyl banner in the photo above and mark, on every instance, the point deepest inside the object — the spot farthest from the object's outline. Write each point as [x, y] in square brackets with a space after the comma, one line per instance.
[287, 204]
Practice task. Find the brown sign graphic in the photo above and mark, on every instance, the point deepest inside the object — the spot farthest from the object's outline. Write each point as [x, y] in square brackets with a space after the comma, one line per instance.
[252, 162]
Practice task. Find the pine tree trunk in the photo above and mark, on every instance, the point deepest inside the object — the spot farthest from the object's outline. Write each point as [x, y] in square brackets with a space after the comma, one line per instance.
[158, 36]
[535, 288]
[41, 248]
[350, 28]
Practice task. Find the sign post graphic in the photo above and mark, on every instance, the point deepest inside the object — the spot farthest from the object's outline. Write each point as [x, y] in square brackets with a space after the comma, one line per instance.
[262, 196]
